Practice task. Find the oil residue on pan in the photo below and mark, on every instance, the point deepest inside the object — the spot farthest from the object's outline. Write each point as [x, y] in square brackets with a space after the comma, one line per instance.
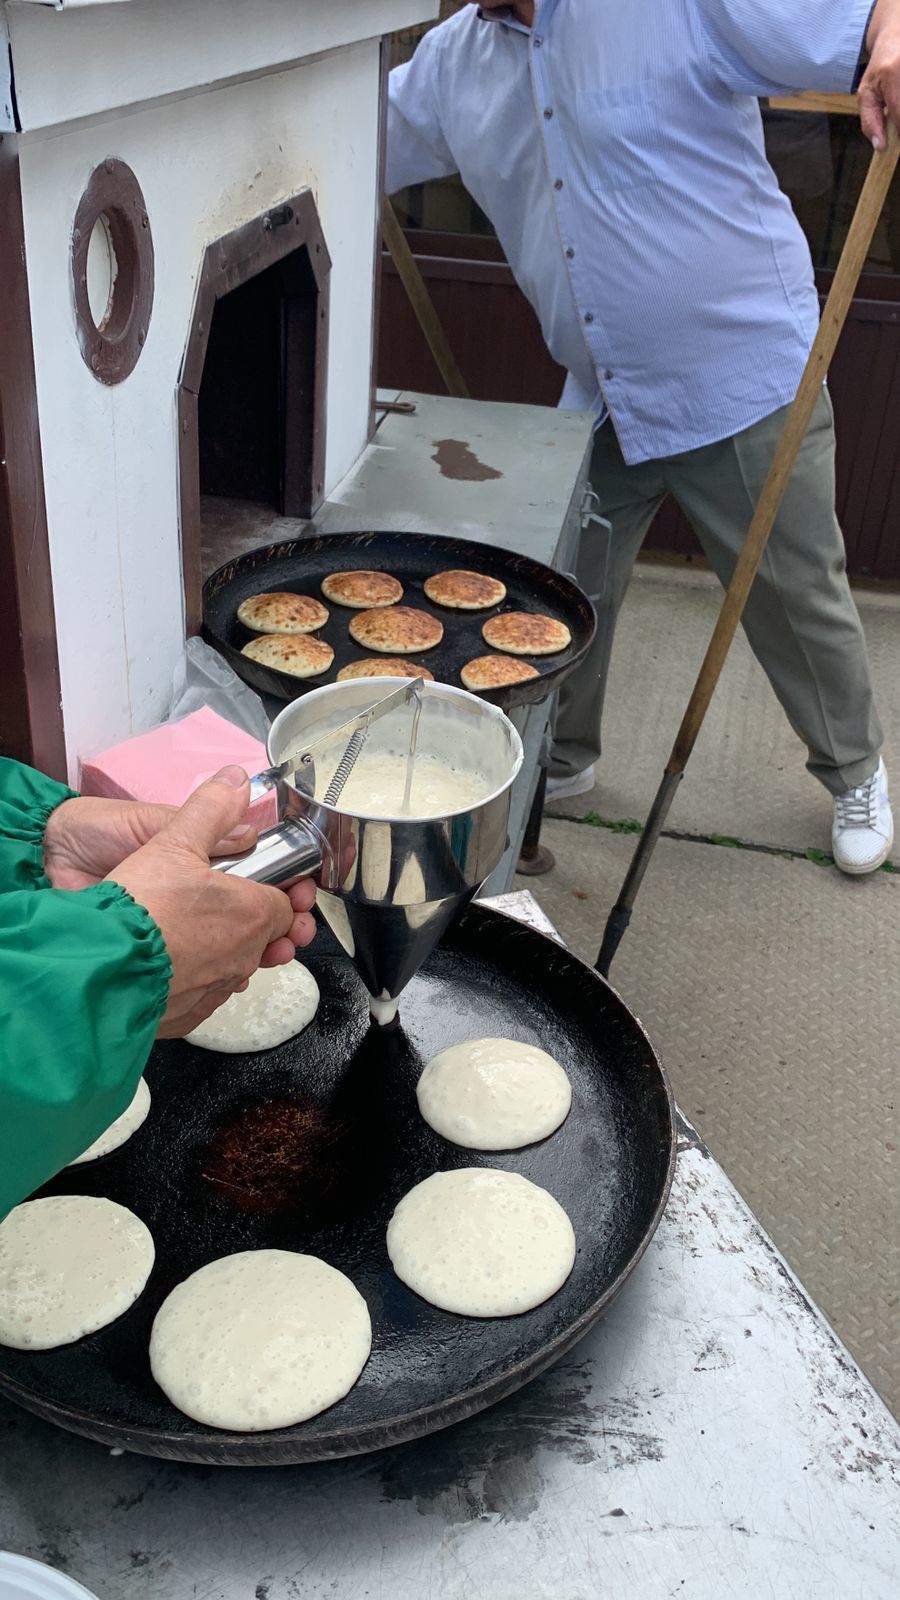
[300, 565]
[310, 1146]
[270, 1158]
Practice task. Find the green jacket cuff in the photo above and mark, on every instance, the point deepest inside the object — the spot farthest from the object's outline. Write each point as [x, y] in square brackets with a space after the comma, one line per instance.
[27, 799]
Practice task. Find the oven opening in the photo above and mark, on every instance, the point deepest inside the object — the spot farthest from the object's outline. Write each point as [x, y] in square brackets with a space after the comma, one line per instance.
[252, 397]
[255, 434]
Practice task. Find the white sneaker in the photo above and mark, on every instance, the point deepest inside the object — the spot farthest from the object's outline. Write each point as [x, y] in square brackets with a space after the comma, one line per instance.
[568, 788]
[863, 830]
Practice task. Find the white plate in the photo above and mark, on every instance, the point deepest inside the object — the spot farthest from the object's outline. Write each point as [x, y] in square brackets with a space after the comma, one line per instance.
[22, 1579]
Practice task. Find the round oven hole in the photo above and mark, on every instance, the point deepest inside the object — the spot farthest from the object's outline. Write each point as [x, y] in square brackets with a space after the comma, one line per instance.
[102, 271]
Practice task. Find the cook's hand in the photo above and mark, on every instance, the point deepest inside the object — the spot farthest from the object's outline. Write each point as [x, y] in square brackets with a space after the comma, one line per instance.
[879, 92]
[217, 928]
[85, 839]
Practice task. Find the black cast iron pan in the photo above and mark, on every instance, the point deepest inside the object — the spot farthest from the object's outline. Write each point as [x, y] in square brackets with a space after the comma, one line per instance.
[300, 565]
[310, 1146]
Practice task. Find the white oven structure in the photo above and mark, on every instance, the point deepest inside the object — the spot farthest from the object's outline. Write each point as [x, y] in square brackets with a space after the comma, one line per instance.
[155, 156]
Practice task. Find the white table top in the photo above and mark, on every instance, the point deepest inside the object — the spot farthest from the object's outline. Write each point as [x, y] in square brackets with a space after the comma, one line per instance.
[710, 1438]
[520, 477]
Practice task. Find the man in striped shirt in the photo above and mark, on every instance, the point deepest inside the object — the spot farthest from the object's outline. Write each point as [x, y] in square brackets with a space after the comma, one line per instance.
[618, 151]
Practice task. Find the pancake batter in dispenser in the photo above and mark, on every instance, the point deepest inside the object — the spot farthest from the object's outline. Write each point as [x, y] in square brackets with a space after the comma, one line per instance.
[396, 800]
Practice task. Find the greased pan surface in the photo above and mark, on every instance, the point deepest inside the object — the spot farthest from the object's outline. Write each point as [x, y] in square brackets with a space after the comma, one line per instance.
[300, 565]
[310, 1146]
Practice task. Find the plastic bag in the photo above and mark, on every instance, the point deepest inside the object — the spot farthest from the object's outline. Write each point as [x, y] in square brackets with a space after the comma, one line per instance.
[204, 678]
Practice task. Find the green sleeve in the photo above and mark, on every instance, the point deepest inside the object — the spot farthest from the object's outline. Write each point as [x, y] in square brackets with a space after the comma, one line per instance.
[84, 981]
[26, 801]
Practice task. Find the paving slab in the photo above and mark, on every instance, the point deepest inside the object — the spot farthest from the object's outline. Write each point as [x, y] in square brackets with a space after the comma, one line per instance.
[770, 988]
[747, 777]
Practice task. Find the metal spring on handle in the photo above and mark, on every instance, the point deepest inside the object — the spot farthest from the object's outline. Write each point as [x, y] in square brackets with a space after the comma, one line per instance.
[345, 767]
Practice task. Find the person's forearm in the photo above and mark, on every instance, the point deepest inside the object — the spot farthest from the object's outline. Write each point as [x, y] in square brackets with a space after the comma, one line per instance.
[84, 982]
[879, 92]
[886, 14]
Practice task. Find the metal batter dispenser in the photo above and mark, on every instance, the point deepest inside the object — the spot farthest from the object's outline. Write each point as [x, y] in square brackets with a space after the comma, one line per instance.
[389, 887]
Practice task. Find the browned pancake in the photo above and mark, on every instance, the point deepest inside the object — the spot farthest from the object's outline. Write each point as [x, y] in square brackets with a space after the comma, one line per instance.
[362, 591]
[495, 672]
[465, 591]
[401, 628]
[383, 667]
[523, 633]
[282, 613]
[296, 653]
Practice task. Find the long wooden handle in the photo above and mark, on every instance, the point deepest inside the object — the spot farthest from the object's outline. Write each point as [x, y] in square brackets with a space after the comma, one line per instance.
[422, 303]
[846, 279]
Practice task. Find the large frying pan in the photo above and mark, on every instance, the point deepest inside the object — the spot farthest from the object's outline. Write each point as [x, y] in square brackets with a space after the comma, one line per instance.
[301, 564]
[310, 1146]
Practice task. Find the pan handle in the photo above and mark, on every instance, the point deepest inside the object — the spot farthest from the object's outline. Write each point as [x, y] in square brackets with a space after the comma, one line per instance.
[590, 518]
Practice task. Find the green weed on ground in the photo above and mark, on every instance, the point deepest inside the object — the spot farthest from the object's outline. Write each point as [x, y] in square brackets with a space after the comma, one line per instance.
[819, 858]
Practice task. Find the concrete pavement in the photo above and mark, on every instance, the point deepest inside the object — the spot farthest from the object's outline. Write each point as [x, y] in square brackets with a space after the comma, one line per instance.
[769, 982]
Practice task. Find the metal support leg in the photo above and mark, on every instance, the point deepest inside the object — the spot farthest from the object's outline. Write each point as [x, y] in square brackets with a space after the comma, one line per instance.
[536, 859]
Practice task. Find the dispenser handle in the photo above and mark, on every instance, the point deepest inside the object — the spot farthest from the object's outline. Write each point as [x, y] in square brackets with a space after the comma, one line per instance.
[291, 850]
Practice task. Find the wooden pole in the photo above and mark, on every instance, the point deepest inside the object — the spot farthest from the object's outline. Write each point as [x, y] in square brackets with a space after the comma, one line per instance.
[846, 280]
[422, 303]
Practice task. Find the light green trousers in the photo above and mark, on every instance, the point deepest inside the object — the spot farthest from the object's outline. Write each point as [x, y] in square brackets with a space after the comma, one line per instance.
[801, 619]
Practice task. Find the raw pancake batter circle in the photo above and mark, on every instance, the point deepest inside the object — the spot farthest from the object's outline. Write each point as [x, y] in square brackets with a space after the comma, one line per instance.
[494, 1094]
[262, 1339]
[481, 1243]
[279, 1003]
[120, 1131]
[69, 1265]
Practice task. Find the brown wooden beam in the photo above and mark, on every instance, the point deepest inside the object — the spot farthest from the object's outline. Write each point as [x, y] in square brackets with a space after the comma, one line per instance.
[430, 323]
[31, 722]
[385, 73]
[846, 105]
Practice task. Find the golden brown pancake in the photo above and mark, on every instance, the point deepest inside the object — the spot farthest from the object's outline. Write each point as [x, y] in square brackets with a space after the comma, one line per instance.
[399, 629]
[282, 613]
[362, 591]
[523, 633]
[296, 653]
[465, 591]
[495, 672]
[383, 667]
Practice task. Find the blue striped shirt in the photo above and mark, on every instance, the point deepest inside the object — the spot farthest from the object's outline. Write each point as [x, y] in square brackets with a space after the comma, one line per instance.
[617, 147]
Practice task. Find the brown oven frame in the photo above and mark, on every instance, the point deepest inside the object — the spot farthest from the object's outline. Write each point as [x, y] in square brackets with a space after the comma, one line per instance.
[383, 107]
[228, 263]
[31, 721]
